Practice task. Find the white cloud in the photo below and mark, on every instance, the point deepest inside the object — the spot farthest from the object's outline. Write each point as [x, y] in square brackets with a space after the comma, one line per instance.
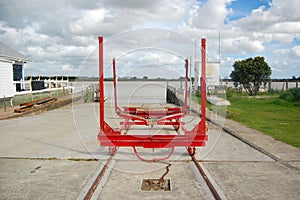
[66, 68]
[286, 58]
[295, 52]
[292, 53]
[280, 22]
[56, 32]
[287, 9]
[285, 27]
[248, 45]
[211, 15]
[242, 45]
[88, 21]
[131, 4]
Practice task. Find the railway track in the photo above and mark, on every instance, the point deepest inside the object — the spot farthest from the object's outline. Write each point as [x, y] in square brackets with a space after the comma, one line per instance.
[92, 185]
[97, 181]
[215, 193]
[159, 184]
[211, 187]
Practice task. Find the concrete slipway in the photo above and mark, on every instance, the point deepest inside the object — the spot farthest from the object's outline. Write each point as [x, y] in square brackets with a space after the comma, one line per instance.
[38, 156]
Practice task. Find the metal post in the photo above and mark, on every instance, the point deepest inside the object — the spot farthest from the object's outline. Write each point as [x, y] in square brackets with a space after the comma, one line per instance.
[31, 86]
[115, 85]
[93, 92]
[195, 69]
[181, 84]
[56, 86]
[39, 78]
[203, 84]
[101, 85]
[190, 103]
[186, 83]
[68, 85]
[50, 86]
[4, 103]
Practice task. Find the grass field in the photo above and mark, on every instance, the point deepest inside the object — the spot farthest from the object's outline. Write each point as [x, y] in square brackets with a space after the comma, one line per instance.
[269, 114]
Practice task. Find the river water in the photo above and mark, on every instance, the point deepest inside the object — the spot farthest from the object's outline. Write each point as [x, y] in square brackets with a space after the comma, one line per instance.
[133, 92]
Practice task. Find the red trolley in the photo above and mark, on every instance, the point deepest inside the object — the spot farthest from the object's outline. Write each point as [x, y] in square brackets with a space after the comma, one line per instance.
[132, 115]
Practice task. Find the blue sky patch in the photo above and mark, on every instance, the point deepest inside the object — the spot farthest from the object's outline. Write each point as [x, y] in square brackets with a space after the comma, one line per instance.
[242, 8]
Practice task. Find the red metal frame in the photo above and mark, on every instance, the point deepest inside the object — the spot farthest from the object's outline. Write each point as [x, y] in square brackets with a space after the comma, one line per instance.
[144, 116]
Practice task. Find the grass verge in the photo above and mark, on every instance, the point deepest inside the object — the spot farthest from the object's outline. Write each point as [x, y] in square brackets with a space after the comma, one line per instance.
[273, 116]
[269, 114]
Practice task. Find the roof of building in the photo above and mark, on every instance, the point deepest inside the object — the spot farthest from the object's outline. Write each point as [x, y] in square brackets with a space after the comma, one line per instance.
[9, 53]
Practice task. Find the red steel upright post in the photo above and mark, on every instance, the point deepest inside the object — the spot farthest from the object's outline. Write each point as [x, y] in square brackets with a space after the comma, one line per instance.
[203, 81]
[101, 85]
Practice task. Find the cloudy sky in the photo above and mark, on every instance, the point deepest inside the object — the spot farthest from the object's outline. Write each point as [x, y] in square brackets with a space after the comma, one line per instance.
[151, 37]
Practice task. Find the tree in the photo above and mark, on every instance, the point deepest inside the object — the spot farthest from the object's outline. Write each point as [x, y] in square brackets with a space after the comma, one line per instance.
[251, 73]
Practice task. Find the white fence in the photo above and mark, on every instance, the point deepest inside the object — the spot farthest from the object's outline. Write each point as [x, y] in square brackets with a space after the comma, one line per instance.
[270, 85]
[49, 85]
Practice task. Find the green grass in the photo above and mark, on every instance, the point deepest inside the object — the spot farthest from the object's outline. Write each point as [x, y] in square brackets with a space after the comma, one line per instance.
[275, 117]
[270, 114]
[18, 99]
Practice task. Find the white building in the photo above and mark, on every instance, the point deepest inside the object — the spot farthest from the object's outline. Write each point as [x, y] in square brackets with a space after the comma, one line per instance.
[11, 69]
[212, 74]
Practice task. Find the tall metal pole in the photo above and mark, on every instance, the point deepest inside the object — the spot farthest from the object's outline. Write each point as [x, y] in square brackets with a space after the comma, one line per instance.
[115, 86]
[196, 81]
[219, 47]
[190, 103]
[186, 83]
[203, 83]
[101, 84]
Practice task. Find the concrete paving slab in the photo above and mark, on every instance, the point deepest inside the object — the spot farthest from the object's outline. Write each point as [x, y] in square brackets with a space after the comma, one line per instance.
[44, 179]
[68, 132]
[228, 148]
[255, 180]
[215, 100]
[127, 184]
[280, 149]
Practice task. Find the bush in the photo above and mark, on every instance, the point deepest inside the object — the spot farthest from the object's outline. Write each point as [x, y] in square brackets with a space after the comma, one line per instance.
[272, 91]
[291, 95]
[231, 93]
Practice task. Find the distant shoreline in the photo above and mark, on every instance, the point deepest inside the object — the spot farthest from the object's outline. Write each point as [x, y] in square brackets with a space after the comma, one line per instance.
[74, 78]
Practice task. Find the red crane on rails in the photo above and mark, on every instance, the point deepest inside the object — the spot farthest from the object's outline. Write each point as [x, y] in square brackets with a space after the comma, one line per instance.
[132, 115]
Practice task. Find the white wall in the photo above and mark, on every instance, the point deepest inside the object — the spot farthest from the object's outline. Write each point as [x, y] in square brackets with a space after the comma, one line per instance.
[212, 73]
[7, 88]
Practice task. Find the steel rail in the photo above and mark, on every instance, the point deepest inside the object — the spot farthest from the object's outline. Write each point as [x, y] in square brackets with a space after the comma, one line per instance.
[208, 182]
[95, 184]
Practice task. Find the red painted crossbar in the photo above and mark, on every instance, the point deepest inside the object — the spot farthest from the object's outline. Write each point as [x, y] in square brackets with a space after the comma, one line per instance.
[152, 141]
[151, 113]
